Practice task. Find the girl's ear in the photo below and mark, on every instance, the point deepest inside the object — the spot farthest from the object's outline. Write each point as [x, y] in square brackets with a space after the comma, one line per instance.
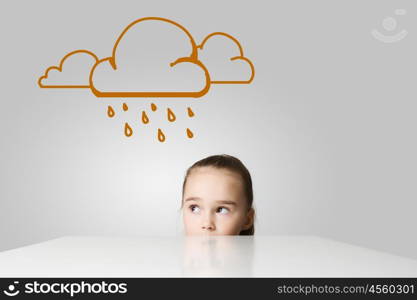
[249, 219]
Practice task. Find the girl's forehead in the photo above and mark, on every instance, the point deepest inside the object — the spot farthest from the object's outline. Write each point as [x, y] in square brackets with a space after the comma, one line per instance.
[209, 170]
[208, 183]
[214, 174]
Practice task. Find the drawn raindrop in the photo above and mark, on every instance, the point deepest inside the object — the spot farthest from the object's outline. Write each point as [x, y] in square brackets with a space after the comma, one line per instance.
[190, 112]
[161, 135]
[190, 134]
[145, 119]
[128, 130]
[110, 111]
[125, 107]
[171, 115]
[153, 107]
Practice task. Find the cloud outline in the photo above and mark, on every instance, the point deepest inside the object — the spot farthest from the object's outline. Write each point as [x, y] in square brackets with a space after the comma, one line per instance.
[60, 69]
[239, 57]
[193, 58]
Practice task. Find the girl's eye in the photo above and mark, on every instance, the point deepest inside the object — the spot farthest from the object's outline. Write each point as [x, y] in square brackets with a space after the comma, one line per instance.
[194, 208]
[223, 210]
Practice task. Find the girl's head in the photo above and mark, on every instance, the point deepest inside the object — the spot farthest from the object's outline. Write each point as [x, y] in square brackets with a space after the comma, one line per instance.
[217, 197]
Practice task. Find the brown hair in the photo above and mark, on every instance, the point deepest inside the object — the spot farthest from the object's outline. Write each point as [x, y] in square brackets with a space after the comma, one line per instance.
[233, 164]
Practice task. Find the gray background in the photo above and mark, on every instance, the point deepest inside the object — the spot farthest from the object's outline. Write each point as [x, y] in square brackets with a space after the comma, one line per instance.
[327, 128]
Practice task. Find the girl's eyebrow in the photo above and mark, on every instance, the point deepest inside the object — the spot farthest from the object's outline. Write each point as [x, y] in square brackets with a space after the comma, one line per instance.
[192, 198]
[227, 202]
[219, 201]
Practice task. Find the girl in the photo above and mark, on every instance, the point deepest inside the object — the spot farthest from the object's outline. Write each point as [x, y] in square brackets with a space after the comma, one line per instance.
[217, 197]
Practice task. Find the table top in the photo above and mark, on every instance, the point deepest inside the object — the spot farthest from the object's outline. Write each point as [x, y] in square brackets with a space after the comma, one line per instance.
[201, 256]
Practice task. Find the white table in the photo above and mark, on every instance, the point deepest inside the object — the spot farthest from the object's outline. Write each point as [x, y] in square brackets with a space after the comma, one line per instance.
[221, 256]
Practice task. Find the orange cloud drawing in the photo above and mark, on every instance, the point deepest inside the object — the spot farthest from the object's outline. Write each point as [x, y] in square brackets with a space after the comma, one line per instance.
[216, 65]
[141, 66]
[73, 71]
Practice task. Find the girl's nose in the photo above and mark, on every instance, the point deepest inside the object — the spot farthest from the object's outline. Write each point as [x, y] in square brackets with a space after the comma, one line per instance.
[208, 223]
[208, 227]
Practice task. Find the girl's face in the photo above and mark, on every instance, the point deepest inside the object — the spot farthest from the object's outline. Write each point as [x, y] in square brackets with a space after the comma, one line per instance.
[214, 203]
